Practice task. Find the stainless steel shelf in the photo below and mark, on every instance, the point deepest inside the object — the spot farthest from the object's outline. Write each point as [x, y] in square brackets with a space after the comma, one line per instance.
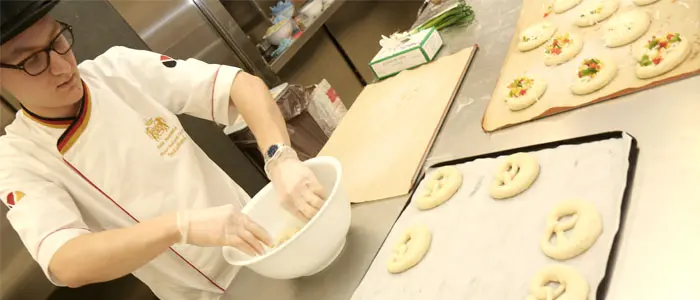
[279, 62]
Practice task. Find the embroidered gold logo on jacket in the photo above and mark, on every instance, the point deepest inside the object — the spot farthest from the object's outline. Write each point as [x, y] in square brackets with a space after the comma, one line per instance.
[156, 127]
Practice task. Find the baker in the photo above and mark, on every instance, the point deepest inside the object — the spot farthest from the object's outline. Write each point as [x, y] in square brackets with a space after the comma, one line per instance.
[99, 176]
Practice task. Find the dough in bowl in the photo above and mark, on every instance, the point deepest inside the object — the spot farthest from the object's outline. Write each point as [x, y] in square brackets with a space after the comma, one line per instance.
[562, 48]
[585, 226]
[626, 27]
[661, 54]
[286, 235]
[572, 285]
[410, 249]
[593, 74]
[514, 175]
[561, 6]
[440, 186]
[596, 11]
[644, 2]
[535, 35]
[524, 91]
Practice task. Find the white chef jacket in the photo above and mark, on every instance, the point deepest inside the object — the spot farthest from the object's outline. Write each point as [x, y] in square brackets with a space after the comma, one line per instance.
[125, 158]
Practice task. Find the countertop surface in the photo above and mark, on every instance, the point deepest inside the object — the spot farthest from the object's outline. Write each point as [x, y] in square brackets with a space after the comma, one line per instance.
[657, 255]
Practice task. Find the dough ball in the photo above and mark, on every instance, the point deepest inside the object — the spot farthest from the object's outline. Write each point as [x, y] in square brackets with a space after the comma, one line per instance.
[524, 91]
[562, 48]
[593, 74]
[286, 235]
[535, 35]
[626, 28]
[585, 226]
[442, 184]
[561, 6]
[410, 249]
[572, 285]
[661, 54]
[514, 175]
[644, 2]
[596, 11]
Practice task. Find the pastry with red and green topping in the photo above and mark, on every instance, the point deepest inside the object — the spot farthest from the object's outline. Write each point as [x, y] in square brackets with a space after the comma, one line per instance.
[661, 54]
[535, 35]
[596, 11]
[593, 74]
[562, 48]
[524, 91]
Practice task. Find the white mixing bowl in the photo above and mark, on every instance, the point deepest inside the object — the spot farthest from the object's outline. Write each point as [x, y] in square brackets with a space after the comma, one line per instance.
[316, 245]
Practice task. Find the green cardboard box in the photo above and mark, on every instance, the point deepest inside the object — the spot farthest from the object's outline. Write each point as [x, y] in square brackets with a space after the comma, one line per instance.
[418, 49]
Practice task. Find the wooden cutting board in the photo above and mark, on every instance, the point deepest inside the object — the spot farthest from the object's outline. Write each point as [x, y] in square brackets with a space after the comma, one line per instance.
[667, 16]
[384, 138]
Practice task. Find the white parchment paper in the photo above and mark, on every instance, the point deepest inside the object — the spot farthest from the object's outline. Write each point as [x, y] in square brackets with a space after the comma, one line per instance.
[485, 249]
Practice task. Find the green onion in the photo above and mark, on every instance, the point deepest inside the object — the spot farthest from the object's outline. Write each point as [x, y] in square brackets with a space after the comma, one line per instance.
[461, 14]
[645, 61]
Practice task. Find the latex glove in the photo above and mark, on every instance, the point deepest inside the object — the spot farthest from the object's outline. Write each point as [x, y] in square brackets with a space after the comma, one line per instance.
[296, 186]
[222, 226]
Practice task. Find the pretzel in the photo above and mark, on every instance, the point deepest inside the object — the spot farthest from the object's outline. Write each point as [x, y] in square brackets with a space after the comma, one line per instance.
[441, 185]
[572, 286]
[410, 249]
[585, 224]
[514, 176]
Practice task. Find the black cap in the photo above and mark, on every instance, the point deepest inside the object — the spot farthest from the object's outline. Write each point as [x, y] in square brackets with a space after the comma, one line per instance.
[18, 15]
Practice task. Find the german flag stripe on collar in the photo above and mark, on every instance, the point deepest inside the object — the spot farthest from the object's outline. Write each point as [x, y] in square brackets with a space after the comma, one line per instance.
[76, 128]
[49, 122]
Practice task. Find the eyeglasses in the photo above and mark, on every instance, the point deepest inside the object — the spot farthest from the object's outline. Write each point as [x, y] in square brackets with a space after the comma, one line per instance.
[38, 62]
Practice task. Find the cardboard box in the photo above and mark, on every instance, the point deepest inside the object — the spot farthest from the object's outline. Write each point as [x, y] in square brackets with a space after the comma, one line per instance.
[420, 48]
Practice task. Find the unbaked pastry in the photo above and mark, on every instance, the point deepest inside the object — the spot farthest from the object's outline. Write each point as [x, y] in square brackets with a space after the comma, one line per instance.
[286, 235]
[585, 225]
[626, 28]
[596, 11]
[514, 175]
[410, 249]
[662, 54]
[562, 48]
[572, 285]
[440, 187]
[535, 35]
[644, 2]
[594, 74]
[561, 6]
[524, 91]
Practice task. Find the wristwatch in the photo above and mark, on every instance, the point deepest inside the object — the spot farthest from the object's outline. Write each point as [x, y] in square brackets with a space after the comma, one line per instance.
[274, 152]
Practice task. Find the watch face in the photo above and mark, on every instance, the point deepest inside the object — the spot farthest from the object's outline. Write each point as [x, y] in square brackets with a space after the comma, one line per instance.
[272, 150]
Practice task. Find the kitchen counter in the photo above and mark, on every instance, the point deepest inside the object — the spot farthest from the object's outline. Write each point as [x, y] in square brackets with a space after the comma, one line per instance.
[657, 257]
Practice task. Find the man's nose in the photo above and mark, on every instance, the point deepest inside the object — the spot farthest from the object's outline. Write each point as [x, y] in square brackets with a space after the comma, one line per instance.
[59, 64]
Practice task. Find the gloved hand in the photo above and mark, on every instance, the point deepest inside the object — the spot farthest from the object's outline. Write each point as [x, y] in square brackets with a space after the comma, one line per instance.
[296, 186]
[222, 226]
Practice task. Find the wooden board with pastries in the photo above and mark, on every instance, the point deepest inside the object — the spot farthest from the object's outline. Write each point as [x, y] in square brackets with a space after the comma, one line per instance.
[674, 22]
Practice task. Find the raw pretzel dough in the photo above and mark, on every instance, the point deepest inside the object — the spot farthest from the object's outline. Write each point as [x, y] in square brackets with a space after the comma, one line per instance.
[572, 286]
[644, 2]
[441, 185]
[659, 60]
[561, 6]
[588, 82]
[596, 11]
[626, 28]
[285, 235]
[585, 224]
[410, 249]
[535, 35]
[562, 48]
[515, 175]
[524, 91]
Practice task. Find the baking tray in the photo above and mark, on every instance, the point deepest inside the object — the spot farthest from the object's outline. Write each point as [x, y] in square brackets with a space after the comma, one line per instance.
[631, 160]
